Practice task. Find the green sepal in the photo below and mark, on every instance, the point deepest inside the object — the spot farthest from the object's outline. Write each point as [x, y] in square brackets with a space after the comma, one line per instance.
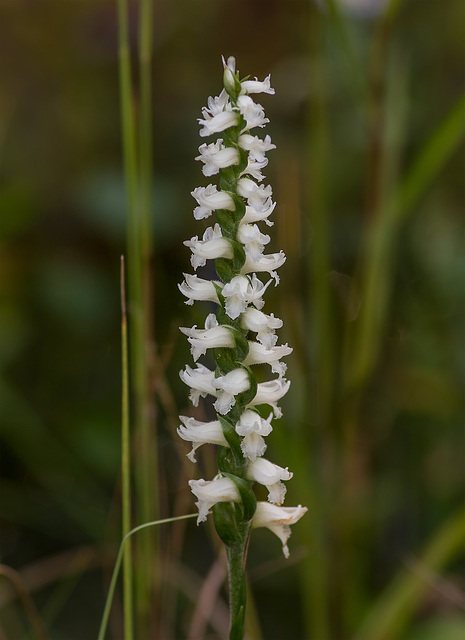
[233, 439]
[241, 343]
[249, 500]
[227, 222]
[223, 318]
[219, 293]
[244, 398]
[225, 459]
[233, 92]
[224, 516]
[231, 135]
[239, 203]
[228, 268]
[225, 359]
[243, 160]
[228, 178]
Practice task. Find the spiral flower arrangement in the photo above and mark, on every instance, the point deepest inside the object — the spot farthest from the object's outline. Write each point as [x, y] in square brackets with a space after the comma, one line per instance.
[240, 335]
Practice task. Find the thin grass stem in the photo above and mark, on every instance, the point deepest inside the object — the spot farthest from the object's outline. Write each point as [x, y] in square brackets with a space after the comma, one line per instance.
[126, 469]
[114, 577]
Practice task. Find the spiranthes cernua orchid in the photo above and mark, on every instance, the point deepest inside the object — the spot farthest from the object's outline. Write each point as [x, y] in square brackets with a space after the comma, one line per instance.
[240, 334]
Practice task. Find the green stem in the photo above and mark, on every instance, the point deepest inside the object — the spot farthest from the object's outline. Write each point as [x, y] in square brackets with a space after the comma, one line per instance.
[126, 469]
[114, 577]
[147, 493]
[314, 574]
[236, 555]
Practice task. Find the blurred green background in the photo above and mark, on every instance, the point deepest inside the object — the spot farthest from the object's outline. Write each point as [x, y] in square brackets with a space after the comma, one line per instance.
[370, 215]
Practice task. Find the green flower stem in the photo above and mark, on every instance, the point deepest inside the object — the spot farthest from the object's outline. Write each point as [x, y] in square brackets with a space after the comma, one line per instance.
[236, 555]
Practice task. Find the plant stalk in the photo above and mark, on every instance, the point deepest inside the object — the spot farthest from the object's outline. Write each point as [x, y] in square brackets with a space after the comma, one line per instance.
[128, 605]
[236, 555]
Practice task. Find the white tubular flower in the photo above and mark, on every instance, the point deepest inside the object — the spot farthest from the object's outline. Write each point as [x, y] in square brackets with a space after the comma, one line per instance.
[241, 292]
[210, 199]
[264, 326]
[228, 387]
[253, 240]
[259, 354]
[195, 288]
[255, 86]
[269, 475]
[254, 169]
[219, 122]
[252, 215]
[213, 336]
[278, 520]
[253, 113]
[212, 246]
[265, 263]
[201, 381]
[209, 492]
[253, 427]
[200, 433]
[256, 146]
[217, 105]
[215, 156]
[258, 197]
[203, 339]
[270, 392]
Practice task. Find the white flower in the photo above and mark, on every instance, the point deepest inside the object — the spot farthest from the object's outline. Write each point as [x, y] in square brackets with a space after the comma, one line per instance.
[270, 392]
[269, 475]
[253, 427]
[255, 86]
[215, 156]
[253, 113]
[212, 337]
[240, 292]
[254, 168]
[210, 199]
[229, 386]
[264, 325]
[253, 240]
[217, 105]
[259, 354]
[256, 146]
[200, 433]
[195, 288]
[218, 122]
[201, 381]
[212, 246]
[258, 197]
[252, 215]
[278, 520]
[265, 263]
[209, 492]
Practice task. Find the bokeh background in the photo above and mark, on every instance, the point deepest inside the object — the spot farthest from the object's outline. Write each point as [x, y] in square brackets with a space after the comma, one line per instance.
[370, 215]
